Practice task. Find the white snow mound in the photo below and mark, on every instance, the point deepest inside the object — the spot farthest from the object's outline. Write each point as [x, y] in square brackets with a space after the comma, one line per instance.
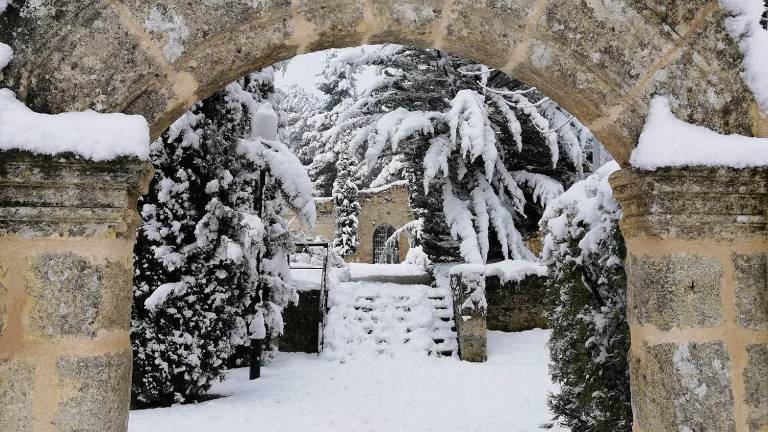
[667, 141]
[88, 134]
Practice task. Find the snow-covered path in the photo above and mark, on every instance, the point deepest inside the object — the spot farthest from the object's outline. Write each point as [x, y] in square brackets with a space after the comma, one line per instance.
[304, 393]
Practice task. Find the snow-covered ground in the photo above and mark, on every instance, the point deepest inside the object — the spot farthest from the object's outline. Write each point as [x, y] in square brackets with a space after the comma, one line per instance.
[301, 392]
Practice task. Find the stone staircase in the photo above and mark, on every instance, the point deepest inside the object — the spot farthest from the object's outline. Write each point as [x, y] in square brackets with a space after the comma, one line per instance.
[389, 319]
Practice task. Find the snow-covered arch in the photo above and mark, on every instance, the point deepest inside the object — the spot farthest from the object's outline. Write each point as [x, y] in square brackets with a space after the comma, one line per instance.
[602, 61]
[697, 251]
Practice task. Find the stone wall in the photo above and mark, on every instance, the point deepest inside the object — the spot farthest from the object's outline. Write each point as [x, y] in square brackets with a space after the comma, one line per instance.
[516, 306]
[303, 324]
[388, 205]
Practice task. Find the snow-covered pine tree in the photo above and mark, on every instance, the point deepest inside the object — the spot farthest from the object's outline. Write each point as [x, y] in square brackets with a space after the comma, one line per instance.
[198, 251]
[189, 263]
[391, 123]
[482, 152]
[345, 239]
[586, 291]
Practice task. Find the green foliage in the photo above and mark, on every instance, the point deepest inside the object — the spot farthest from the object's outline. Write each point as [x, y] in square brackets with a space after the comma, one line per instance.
[586, 294]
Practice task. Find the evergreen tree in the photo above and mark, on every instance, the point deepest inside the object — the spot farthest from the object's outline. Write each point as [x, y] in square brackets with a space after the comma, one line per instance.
[206, 263]
[189, 265]
[586, 291]
[345, 239]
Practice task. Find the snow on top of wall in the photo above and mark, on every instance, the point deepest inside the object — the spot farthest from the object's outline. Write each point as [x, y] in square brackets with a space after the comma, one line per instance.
[383, 188]
[3, 6]
[507, 271]
[88, 134]
[668, 141]
[744, 27]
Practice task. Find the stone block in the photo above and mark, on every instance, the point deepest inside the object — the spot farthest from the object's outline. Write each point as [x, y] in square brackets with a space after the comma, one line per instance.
[756, 386]
[516, 306]
[685, 387]
[17, 380]
[751, 280]
[3, 307]
[116, 297]
[65, 293]
[96, 393]
[674, 291]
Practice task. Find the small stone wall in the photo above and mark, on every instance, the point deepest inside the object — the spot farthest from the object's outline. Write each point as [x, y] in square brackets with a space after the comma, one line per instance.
[303, 324]
[516, 306]
[386, 205]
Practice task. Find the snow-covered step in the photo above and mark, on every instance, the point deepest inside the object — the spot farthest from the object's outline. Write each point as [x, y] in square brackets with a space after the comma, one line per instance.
[392, 319]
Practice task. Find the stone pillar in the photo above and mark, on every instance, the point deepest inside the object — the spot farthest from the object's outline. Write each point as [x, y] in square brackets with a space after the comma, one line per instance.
[67, 229]
[697, 250]
[469, 312]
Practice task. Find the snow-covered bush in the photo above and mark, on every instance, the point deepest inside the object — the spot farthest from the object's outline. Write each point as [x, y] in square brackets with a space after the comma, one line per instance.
[210, 257]
[345, 238]
[586, 290]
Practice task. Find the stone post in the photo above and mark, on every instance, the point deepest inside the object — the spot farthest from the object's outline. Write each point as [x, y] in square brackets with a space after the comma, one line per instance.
[697, 297]
[67, 229]
[469, 311]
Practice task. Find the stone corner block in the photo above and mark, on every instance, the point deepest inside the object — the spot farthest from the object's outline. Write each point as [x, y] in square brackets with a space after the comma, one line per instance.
[674, 291]
[682, 387]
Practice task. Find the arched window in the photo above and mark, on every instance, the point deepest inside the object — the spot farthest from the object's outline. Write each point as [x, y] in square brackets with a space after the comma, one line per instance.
[382, 254]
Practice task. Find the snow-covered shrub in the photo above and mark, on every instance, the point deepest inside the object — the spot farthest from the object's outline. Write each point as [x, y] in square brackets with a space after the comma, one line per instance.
[345, 238]
[586, 290]
[210, 257]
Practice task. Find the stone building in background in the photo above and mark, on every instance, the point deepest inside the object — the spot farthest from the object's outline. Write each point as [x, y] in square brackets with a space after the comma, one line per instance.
[382, 211]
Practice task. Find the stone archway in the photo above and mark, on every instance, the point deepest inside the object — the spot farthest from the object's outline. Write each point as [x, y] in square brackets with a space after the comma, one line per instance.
[602, 61]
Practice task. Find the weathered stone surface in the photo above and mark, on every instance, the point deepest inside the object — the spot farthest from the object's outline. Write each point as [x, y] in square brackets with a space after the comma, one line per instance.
[67, 48]
[16, 396]
[516, 306]
[751, 290]
[70, 296]
[682, 388]
[718, 204]
[3, 306]
[712, 56]
[469, 311]
[66, 196]
[97, 393]
[600, 62]
[65, 293]
[674, 291]
[756, 383]
[116, 297]
[501, 28]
